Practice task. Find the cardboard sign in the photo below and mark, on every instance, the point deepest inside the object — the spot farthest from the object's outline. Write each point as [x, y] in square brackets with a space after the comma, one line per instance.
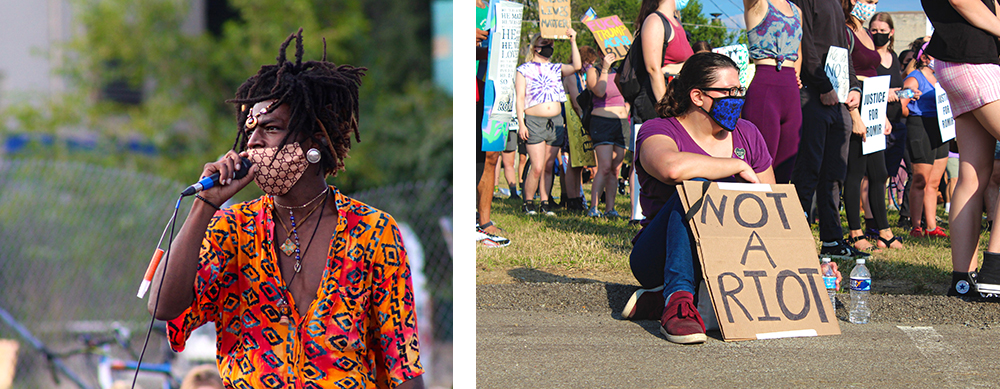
[837, 71]
[553, 18]
[611, 35]
[945, 120]
[498, 94]
[581, 147]
[873, 99]
[741, 55]
[759, 260]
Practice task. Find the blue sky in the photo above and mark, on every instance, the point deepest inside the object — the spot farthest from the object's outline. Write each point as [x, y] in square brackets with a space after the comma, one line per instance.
[734, 8]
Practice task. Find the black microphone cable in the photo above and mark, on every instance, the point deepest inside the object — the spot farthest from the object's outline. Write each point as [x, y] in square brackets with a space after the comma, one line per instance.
[156, 304]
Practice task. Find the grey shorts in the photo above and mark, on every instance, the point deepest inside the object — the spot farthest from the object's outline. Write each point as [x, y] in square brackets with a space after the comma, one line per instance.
[549, 130]
[512, 139]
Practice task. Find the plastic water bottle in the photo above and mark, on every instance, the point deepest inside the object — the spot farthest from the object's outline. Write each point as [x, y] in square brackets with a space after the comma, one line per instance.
[905, 93]
[830, 279]
[861, 283]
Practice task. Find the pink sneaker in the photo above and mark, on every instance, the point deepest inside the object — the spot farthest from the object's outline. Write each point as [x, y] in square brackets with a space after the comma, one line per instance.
[681, 322]
[645, 304]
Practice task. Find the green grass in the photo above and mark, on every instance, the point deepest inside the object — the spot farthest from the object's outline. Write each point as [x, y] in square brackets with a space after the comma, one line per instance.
[571, 242]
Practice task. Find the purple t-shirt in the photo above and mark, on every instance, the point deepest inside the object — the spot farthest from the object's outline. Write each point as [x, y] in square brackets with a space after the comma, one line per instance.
[653, 193]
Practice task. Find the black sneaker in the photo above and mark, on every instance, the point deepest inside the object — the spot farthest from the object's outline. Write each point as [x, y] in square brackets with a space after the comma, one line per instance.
[988, 280]
[841, 250]
[964, 287]
[904, 223]
[529, 207]
[546, 208]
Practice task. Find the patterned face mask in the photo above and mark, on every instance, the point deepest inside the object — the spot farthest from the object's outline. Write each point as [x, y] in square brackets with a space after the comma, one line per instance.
[863, 11]
[726, 110]
[278, 170]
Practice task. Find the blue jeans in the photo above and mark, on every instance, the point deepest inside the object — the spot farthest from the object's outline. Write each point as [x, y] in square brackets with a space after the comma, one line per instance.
[663, 254]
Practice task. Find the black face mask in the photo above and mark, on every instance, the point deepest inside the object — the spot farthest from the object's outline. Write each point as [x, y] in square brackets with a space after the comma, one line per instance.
[546, 51]
[880, 39]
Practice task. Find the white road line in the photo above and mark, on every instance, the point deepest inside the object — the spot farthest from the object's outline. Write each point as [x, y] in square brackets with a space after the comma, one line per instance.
[943, 356]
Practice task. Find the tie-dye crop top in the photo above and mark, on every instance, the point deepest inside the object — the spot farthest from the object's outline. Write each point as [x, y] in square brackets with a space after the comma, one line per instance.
[543, 83]
[777, 36]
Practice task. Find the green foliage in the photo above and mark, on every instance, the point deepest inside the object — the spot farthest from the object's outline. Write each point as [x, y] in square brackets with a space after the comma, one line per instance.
[702, 29]
[185, 79]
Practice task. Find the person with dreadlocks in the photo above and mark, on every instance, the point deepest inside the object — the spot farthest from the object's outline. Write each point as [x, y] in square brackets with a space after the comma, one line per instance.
[307, 287]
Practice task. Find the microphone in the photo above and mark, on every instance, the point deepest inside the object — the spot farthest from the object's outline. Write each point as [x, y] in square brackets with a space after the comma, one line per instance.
[213, 179]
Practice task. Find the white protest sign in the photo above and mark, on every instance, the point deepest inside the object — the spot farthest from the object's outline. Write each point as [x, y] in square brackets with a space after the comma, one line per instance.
[741, 56]
[759, 261]
[874, 96]
[634, 179]
[945, 120]
[837, 71]
[498, 94]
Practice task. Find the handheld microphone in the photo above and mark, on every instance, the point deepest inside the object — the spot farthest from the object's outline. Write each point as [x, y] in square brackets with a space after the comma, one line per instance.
[213, 179]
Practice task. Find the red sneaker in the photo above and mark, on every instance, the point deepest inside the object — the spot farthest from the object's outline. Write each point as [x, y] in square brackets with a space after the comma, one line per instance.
[938, 232]
[681, 322]
[917, 232]
[645, 304]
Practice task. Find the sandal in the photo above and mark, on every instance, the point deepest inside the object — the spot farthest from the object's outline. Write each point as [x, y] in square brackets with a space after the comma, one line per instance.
[888, 242]
[853, 240]
[483, 227]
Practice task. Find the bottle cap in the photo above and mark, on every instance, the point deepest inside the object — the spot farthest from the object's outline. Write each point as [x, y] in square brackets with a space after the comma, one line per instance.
[860, 261]
[825, 260]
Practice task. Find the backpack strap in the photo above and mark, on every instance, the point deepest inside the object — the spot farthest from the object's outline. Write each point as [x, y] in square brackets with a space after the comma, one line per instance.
[850, 39]
[668, 29]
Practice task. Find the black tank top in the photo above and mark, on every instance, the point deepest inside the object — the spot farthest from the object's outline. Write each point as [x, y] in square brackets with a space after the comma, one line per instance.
[955, 39]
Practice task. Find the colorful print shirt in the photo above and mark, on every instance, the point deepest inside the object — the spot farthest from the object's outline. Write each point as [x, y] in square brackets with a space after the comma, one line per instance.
[359, 332]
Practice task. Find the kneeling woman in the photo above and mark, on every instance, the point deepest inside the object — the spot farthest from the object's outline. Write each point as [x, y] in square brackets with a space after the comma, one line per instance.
[698, 136]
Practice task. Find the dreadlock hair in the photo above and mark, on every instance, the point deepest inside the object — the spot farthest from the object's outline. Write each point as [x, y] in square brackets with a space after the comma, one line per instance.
[322, 98]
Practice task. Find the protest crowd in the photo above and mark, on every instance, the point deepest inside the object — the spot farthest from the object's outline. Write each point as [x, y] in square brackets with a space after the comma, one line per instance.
[831, 109]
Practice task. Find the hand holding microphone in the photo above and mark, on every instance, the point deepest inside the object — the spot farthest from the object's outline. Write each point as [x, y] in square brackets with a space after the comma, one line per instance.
[224, 178]
[239, 171]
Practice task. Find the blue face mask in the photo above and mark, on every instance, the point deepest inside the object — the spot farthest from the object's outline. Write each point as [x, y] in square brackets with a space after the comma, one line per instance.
[681, 3]
[726, 110]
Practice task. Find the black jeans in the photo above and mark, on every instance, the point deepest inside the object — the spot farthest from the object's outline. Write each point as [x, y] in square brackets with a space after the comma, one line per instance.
[821, 163]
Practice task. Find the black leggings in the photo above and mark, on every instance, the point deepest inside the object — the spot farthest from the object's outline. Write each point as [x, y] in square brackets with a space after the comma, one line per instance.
[857, 165]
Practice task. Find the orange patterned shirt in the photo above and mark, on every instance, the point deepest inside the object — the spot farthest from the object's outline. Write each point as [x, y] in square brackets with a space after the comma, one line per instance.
[359, 332]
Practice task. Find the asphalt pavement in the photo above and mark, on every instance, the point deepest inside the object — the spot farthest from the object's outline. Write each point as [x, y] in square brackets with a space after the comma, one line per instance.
[558, 335]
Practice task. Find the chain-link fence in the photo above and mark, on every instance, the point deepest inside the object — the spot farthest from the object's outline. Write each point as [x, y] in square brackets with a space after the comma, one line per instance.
[75, 240]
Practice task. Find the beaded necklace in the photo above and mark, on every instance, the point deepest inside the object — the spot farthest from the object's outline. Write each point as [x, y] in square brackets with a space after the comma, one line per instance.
[283, 308]
[290, 247]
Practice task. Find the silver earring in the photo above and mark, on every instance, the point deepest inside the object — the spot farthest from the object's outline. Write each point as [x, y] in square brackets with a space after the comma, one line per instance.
[313, 155]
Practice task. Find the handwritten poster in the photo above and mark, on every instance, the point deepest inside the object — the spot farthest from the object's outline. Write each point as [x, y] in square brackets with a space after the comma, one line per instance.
[837, 71]
[553, 18]
[611, 35]
[758, 260]
[498, 95]
[945, 120]
[873, 99]
[741, 55]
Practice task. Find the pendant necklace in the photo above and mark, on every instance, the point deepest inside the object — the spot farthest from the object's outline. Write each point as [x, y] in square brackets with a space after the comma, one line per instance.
[289, 246]
[283, 308]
